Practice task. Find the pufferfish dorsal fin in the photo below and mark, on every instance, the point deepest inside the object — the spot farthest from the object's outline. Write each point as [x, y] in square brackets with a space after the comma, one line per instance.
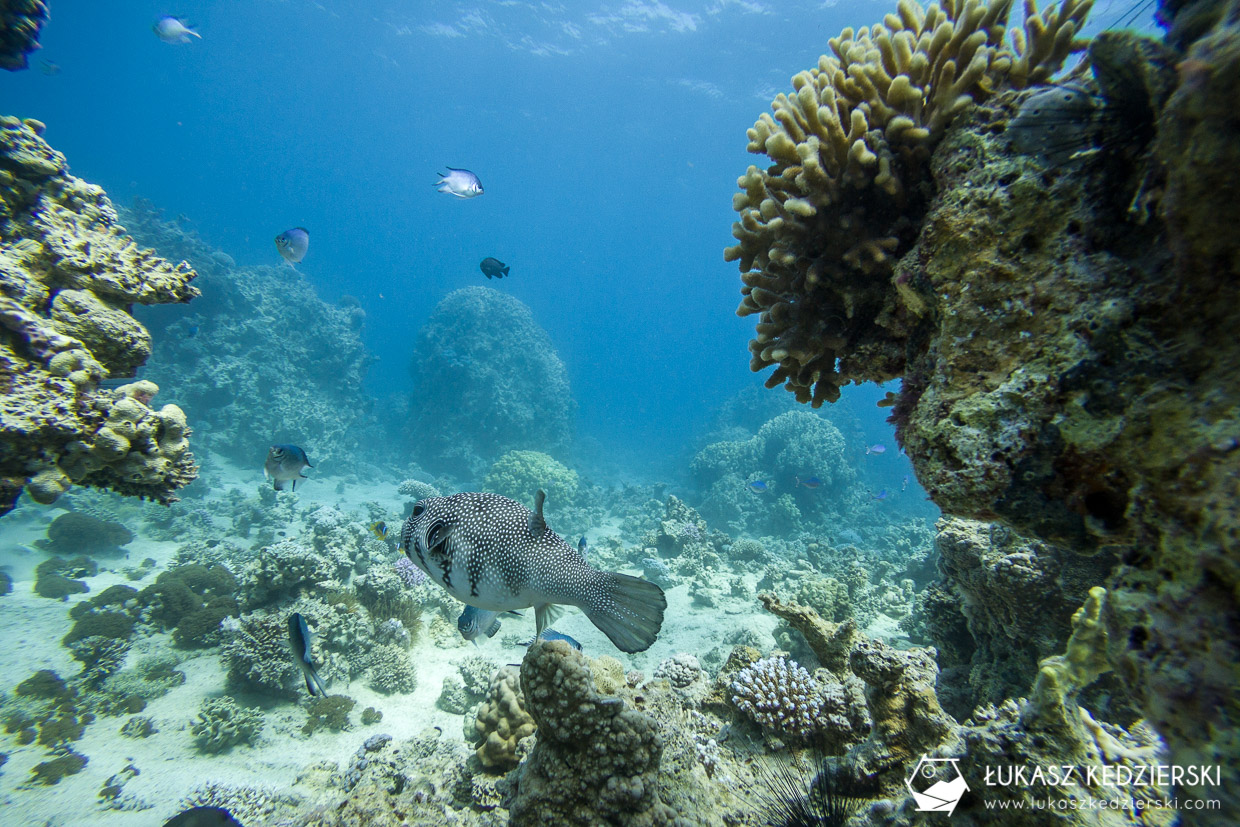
[538, 526]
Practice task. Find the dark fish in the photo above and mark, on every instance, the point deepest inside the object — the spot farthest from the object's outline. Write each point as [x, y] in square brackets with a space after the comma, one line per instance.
[459, 182]
[493, 268]
[299, 640]
[758, 485]
[809, 482]
[284, 464]
[173, 30]
[493, 553]
[203, 817]
[474, 621]
[293, 244]
[191, 331]
[583, 547]
[552, 634]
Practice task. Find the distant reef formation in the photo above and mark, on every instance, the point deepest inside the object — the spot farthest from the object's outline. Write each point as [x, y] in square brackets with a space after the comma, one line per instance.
[260, 358]
[1063, 317]
[487, 380]
[20, 23]
[68, 277]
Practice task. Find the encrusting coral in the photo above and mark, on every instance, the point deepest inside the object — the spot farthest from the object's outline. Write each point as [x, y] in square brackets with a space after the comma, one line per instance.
[820, 229]
[502, 721]
[68, 276]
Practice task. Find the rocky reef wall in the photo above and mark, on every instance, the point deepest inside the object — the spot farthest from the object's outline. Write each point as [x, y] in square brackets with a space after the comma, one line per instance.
[69, 276]
[1063, 319]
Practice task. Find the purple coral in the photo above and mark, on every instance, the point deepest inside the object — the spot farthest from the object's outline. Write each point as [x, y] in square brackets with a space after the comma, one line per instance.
[409, 573]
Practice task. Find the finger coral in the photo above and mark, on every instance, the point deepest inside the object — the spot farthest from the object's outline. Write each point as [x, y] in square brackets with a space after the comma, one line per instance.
[821, 228]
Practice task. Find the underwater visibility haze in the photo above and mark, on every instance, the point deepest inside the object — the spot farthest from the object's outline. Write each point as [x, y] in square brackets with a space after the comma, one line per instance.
[644, 413]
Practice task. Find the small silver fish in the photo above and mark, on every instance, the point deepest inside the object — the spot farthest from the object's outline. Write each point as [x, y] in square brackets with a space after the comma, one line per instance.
[459, 182]
[299, 640]
[284, 464]
[495, 554]
[293, 244]
[173, 30]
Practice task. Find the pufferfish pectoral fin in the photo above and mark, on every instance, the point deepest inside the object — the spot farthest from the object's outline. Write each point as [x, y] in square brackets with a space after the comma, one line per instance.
[538, 526]
[547, 614]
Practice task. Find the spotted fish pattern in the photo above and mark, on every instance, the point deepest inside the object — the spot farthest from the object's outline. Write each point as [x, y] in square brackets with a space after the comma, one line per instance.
[493, 553]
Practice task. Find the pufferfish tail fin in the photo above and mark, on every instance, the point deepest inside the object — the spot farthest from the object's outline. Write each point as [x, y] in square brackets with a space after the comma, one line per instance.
[629, 610]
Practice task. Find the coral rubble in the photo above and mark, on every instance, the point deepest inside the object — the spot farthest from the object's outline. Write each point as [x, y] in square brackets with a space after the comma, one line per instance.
[68, 276]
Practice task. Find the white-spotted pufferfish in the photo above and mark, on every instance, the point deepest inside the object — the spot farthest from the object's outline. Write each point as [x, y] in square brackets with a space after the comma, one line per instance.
[495, 554]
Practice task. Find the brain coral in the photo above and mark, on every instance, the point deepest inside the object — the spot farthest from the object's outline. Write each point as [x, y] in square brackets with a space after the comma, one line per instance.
[821, 228]
[68, 276]
[486, 380]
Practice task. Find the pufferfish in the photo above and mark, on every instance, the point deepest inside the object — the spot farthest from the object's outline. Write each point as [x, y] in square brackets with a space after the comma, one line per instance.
[495, 554]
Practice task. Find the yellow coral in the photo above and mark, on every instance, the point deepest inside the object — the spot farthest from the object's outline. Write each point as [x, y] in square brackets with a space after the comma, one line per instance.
[820, 230]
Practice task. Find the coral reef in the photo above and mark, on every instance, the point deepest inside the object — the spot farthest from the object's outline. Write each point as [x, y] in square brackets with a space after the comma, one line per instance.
[68, 275]
[486, 380]
[20, 22]
[255, 652]
[502, 721]
[54, 577]
[222, 724]
[594, 753]
[1062, 334]
[391, 670]
[329, 712]
[821, 229]
[518, 474]
[792, 446]
[269, 361]
[77, 533]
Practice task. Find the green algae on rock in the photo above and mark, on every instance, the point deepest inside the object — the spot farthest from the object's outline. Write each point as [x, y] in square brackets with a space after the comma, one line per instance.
[68, 275]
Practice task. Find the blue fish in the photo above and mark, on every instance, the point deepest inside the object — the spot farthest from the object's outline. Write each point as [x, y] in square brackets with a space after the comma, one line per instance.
[474, 621]
[809, 482]
[881, 495]
[757, 485]
[293, 244]
[904, 482]
[459, 182]
[552, 634]
[284, 464]
[582, 547]
[299, 640]
[876, 448]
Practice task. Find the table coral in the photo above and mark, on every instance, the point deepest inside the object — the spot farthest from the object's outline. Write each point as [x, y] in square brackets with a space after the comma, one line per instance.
[820, 229]
[68, 276]
[595, 757]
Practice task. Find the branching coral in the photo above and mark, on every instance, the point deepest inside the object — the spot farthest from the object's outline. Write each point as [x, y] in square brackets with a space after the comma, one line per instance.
[820, 230]
[779, 695]
[222, 723]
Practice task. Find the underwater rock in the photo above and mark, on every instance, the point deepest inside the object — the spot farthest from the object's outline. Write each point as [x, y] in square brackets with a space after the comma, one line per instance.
[20, 22]
[68, 276]
[481, 338]
[594, 753]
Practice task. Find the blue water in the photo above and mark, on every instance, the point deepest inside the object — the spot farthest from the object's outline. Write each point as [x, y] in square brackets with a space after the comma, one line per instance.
[608, 140]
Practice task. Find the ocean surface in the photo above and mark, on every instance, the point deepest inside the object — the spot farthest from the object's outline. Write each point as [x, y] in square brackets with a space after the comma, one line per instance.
[608, 139]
